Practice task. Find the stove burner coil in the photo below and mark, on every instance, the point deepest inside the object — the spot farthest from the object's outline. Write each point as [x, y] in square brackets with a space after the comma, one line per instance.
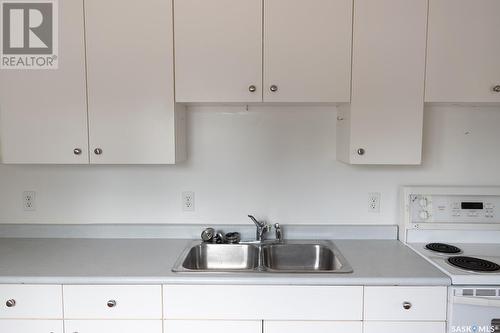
[474, 264]
[443, 248]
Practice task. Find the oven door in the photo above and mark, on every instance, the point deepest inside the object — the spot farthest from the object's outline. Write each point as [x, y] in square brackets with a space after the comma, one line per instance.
[474, 314]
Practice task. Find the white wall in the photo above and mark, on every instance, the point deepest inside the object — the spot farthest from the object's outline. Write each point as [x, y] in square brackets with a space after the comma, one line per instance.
[278, 163]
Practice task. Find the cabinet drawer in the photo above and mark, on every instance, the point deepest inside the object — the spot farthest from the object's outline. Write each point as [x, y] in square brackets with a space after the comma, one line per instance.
[312, 327]
[112, 302]
[113, 326]
[406, 327]
[31, 326]
[212, 326]
[263, 302]
[30, 301]
[405, 303]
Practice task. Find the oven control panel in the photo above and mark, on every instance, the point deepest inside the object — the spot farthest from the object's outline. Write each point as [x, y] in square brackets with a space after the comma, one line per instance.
[454, 209]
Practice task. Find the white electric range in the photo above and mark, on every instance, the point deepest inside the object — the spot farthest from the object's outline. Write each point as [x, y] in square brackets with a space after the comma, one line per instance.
[458, 230]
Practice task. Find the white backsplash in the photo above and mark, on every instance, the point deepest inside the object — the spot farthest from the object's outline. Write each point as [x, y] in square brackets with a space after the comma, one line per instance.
[275, 162]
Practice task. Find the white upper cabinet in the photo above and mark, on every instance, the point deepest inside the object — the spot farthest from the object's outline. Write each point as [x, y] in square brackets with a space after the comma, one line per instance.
[218, 50]
[463, 51]
[43, 113]
[132, 115]
[307, 50]
[224, 52]
[130, 118]
[383, 124]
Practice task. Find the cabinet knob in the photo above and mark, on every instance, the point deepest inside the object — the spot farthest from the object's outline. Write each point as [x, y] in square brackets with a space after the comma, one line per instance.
[111, 303]
[496, 88]
[340, 118]
[77, 151]
[361, 151]
[407, 305]
[98, 151]
[252, 88]
[11, 303]
[273, 88]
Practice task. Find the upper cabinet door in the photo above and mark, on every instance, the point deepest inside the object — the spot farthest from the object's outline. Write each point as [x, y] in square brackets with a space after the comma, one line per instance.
[384, 122]
[463, 51]
[218, 50]
[307, 50]
[130, 81]
[43, 113]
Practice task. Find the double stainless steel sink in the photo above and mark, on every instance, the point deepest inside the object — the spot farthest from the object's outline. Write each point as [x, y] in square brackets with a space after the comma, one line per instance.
[277, 257]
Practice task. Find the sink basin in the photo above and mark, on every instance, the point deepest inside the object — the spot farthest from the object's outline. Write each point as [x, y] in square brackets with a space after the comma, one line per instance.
[303, 258]
[272, 257]
[220, 257]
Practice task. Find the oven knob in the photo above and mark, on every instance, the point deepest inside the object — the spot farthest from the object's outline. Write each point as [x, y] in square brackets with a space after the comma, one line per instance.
[423, 202]
[424, 215]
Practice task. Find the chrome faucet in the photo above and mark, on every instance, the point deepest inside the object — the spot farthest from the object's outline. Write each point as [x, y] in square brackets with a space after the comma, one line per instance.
[262, 228]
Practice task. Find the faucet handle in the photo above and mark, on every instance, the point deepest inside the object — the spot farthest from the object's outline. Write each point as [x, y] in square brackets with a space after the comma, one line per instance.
[277, 229]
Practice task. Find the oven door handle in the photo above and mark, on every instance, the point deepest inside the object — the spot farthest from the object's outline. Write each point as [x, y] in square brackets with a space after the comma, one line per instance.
[477, 301]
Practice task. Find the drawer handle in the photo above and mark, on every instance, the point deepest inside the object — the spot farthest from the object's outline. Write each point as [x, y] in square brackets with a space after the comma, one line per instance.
[111, 303]
[407, 305]
[11, 303]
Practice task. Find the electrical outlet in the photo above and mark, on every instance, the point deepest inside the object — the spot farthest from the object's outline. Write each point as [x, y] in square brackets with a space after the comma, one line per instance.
[29, 200]
[188, 201]
[374, 202]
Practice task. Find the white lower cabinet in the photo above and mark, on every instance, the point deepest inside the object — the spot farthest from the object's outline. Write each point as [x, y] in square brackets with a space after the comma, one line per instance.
[405, 303]
[212, 326]
[255, 309]
[112, 326]
[405, 309]
[330, 303]
[112, 302]
[30, 302]
[31, 326]
[406, 327]
[312, 326]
